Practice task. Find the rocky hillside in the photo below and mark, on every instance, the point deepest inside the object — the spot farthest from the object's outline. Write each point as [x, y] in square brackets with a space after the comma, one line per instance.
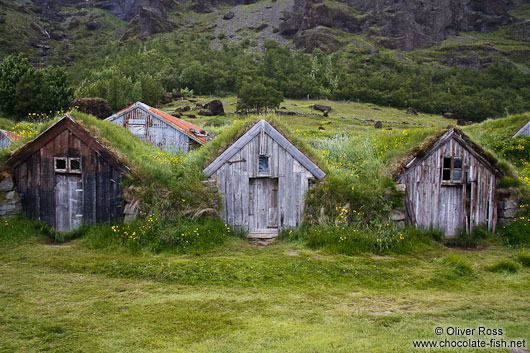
[401, 24]
[50, 28]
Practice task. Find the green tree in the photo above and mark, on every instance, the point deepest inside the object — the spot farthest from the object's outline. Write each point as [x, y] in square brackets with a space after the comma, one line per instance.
[58, 92]
[258, 95]
[12, 69]
[30, 93]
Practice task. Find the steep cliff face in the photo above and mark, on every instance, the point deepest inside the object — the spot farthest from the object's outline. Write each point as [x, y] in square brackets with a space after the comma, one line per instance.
[144, 17]
[401, 24]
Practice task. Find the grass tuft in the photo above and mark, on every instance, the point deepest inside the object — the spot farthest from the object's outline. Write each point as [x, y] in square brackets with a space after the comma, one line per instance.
[503, 266]
[524, 258]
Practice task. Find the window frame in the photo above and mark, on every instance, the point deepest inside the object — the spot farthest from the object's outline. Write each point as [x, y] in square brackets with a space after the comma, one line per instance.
[452, 170]
[68, 165]
[268, 165]
[72, 170]
[60, 170]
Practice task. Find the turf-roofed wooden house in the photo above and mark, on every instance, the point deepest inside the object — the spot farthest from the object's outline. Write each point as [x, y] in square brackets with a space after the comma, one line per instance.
[451, 185]
[263, 179]
[162, 130]
[66, 177]
[7, 138]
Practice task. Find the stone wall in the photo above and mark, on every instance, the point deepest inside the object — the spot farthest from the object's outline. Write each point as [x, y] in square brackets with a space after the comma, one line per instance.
[10, 204]
[508, 210]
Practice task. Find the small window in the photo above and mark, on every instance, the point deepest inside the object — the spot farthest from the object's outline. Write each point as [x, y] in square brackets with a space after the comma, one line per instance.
[67, 165]
[263, 167]
[75, 165]
[60, 164]
[452, 169]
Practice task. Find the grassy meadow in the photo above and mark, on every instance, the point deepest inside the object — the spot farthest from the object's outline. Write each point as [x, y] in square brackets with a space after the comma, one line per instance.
[349, 280]
[243, 298]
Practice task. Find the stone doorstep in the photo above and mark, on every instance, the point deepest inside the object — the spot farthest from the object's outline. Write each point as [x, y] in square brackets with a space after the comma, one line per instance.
[262, 236]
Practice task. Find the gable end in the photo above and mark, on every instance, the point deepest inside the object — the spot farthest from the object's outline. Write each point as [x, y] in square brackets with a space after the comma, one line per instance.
[66, 123]
[264, 126]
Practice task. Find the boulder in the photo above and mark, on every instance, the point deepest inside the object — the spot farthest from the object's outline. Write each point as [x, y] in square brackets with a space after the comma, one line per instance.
[92, 25]
[11, 208]
[73, 24]
[7, 184]
[205, 112]
[57, 35]
[183, 109]
[228, 16]
[216, 107]
[322, 108]
[398, 215]
[412, 111]
[508, 204]
[508, 213]
[261, 27]
[449, 115]
[321, 128]
[98, 107]
[378, 125]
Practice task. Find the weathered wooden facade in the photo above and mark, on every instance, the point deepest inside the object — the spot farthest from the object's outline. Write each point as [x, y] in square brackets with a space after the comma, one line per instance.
[263, 179]
[7, 138]
[65, 177]
[452, 187]
[159, 128]
[525, 130]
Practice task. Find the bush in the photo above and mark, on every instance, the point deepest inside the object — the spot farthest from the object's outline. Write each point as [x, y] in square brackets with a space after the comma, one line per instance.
[505, 266]
[156, 235]
[524, 258]
[351, 240]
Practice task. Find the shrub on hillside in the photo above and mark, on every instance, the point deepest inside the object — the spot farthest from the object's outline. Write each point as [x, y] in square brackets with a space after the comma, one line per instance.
[351, 240]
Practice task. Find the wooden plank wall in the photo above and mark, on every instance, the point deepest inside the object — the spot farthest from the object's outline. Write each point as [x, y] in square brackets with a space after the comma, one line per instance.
[158, 132]
[233, 182]
[36, 180]
[444, 207]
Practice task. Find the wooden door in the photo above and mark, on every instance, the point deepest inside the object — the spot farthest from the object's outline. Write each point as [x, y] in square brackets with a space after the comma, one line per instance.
[68, 202]
[452, 215]
[263, 205]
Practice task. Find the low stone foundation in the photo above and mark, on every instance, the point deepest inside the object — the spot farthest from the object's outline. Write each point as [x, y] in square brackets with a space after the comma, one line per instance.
[508, 210]
[399, 216]
[10, 204]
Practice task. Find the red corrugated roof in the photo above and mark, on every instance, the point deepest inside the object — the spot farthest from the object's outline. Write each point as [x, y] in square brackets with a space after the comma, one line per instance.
[183, 124]
[12, 136]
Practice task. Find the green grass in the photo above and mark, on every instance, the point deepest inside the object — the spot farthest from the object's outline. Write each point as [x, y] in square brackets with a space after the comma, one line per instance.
[241, 298]
[397, 118]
